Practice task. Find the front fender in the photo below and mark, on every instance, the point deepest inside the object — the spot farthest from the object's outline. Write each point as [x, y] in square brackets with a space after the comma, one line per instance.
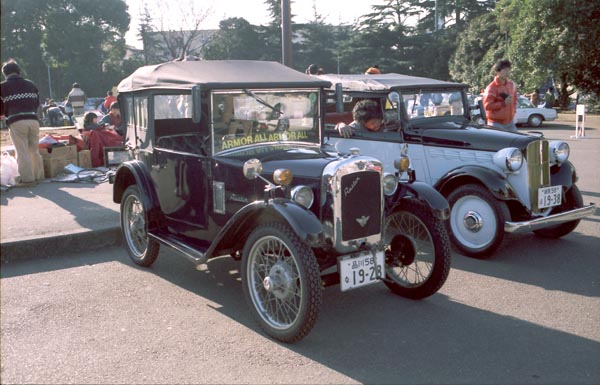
[428, 195]
[564, 175]
[136, 172]
[302, 221]
[495, 182]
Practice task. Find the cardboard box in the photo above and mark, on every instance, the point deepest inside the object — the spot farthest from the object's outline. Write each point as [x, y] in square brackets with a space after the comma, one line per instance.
[75, 161]
[54, 166]
[85, 159]
[66, 152]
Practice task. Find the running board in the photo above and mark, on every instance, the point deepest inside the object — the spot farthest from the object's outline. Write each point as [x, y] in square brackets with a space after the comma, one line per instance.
[193, 255]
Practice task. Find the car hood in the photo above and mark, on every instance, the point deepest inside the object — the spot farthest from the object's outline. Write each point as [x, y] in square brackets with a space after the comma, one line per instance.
[307, 161]
[467, 135]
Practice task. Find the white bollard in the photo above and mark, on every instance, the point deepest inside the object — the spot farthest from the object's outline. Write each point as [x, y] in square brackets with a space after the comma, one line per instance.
[579, 122]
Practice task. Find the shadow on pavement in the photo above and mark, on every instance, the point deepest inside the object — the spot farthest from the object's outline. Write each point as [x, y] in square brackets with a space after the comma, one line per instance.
[373, 336]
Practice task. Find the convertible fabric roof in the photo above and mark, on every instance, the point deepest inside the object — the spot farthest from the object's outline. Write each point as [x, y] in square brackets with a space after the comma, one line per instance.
[386, 82]
[182, 75]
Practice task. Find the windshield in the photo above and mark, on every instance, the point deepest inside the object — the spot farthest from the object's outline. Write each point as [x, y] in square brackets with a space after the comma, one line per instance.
[433, 103]
[525, 103]
[245, 117]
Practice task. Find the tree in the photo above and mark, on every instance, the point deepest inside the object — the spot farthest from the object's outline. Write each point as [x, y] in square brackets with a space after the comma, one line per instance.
[558, 39]
[455, 12]
[317, 44]
[188, 39]
[479, 46]
[543, 39]
[148, 36]
[78, 41]
[236, 39]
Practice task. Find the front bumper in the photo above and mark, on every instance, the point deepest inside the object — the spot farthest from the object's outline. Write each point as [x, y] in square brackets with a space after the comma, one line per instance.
[550, 220]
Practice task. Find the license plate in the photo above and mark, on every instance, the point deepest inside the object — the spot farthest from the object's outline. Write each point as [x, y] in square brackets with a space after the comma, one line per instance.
[361, 270]
[549, 196]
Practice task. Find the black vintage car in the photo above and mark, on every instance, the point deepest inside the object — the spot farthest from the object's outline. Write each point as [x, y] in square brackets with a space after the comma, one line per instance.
[228, 160]
[496, 181]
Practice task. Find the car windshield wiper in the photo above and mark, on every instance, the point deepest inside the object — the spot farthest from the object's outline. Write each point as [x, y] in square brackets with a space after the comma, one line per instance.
[276, 110]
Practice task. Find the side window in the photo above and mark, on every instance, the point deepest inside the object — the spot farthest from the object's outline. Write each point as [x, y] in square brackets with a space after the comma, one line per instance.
[172, 106]
[173, 126]
[141, 113]
[130, 116]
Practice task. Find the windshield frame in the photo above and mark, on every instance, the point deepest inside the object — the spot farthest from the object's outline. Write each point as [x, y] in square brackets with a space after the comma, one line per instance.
[261, 124]
[440, 108]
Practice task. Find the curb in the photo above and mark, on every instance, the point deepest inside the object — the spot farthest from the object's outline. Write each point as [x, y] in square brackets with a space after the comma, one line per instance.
[58, 245]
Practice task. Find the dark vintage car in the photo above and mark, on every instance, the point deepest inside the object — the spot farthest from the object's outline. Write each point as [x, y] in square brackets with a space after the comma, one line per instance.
[228, 161]
[495, 181]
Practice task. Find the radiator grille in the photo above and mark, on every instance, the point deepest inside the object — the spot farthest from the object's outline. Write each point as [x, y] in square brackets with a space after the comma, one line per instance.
[361, 205]
[538, 169]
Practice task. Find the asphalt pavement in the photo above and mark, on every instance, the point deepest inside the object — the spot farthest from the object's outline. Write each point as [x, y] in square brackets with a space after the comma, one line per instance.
[57, 218]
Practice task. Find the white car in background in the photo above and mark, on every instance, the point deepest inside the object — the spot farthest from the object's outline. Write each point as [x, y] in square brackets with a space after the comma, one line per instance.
[526, 113]
[532, 116]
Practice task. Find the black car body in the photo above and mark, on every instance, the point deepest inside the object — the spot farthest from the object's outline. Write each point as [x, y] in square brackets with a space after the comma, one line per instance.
[496, 181]
[228, 160]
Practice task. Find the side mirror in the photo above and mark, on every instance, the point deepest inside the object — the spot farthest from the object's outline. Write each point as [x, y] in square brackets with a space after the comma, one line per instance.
[252, 168]
[196, 103]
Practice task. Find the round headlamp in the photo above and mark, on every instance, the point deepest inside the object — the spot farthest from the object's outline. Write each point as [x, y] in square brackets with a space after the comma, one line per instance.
[509, 159]
[303, 195]
[390, 184]
[559, 151]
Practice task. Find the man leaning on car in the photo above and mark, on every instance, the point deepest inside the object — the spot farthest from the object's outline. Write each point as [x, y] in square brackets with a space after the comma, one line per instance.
[500, 98]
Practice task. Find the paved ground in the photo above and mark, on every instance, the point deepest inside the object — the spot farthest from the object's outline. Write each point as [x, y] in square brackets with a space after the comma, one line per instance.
[54, 218]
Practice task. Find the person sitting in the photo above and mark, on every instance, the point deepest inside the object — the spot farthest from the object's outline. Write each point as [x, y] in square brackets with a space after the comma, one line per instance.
[90, 122]
[113, 119]
[367, 117]
[55, 114]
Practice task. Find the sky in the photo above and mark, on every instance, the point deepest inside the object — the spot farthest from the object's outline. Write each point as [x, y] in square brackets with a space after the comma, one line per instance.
[254, 11]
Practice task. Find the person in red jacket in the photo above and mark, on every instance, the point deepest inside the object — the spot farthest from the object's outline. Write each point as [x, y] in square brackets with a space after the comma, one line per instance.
[108, 100]
[500, 98]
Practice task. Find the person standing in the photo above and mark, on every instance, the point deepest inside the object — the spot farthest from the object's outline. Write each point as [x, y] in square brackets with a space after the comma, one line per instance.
[108, 100]
[20, 102]
[500, 98]
[77, 99]
[550, 98]
[535, 98]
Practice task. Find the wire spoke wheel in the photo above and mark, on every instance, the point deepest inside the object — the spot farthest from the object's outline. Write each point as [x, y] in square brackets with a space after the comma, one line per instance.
[275, 282]
[417, 252]
[281, 282]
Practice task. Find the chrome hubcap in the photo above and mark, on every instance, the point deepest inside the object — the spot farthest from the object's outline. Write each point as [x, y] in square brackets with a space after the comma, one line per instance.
[473, 221]
[279, 282]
